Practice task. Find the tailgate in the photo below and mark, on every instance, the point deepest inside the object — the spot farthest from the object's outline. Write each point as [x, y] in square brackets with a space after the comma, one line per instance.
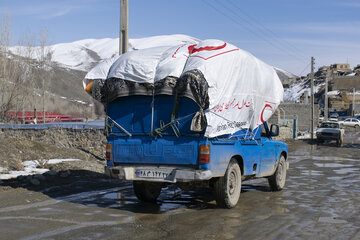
[135, 114]
[145, 150]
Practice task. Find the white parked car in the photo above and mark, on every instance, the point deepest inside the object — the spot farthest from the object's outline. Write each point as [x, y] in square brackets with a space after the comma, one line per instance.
[333, 119]
[350, 122]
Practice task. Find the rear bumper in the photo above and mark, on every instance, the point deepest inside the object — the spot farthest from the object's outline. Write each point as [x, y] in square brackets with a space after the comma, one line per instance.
[328, 137]
[170, 175]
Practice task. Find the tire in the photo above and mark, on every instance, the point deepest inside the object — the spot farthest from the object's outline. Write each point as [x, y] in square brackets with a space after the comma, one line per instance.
[357, 127]
[147, 191]
[227, 189]
[277, 181]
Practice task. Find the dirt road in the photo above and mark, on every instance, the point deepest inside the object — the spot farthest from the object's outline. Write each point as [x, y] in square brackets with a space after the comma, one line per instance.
[321, 201]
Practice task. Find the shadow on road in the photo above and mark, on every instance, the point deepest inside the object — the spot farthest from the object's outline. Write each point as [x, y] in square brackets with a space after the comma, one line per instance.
[95, 189]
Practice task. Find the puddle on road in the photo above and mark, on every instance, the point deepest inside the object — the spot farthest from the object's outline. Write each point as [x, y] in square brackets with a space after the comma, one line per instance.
[311, 172]
[170, 199]
[247, 188]
[335, 178]
[289, 202]
[112, 195]
[332, 158]
[332, 165]
[346, 170]
[45, 209]
[331, 220]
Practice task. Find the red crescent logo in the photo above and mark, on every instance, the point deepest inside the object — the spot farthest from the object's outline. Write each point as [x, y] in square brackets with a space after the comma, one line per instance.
[262, 112]
[192, 48]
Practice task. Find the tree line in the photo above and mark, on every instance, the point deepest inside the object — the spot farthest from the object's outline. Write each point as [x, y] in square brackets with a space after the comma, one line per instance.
[20, 80]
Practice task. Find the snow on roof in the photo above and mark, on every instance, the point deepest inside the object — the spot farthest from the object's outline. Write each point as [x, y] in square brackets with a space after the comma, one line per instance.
[333, 93]
[351, 74]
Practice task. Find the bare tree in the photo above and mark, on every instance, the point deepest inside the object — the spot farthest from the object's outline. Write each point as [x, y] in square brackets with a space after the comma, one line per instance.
[45, 54]
[5, 38]
[24, 56]
[16, 77]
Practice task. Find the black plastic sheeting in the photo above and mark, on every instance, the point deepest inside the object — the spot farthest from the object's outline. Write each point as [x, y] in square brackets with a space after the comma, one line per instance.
[191, 84]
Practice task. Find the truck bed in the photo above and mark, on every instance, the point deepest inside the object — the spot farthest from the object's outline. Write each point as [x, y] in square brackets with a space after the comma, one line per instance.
[134, 114]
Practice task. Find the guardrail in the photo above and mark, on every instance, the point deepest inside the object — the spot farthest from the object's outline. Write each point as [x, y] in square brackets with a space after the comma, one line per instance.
[96, 124]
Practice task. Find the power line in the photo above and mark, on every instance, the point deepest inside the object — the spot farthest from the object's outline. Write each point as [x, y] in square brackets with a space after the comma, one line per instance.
[268, 31]
[305, 68]
[280, 46]
[249, 29]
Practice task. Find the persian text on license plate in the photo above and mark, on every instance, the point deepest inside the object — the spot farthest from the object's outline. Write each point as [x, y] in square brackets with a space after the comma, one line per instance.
[151, 173]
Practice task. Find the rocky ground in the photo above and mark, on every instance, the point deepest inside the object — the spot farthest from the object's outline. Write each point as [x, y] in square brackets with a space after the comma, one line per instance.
[18, 146]
[87, 145]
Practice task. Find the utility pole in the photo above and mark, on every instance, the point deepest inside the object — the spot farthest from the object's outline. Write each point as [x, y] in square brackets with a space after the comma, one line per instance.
[312, 99]
[124, 26]
[326, 110]
[353, 103]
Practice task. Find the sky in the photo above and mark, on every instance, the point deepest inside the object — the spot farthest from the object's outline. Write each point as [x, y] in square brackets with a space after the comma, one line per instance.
[282, 33]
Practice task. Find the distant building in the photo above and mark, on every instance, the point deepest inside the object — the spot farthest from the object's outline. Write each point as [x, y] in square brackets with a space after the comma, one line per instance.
[340, 68]
[345, 83]
[357, 70]
[321, 72]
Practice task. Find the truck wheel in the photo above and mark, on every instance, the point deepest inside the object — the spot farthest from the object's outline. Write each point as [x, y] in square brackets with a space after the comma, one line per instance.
[227, 189]
[277, 181]
[146, 191]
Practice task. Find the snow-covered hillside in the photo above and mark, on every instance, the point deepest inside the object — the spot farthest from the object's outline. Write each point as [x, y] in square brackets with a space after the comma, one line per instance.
[283, 73]
[84, 54]
[296, 90]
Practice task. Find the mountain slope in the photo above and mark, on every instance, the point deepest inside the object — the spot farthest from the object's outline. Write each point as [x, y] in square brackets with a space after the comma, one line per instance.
[74, 59]
[284, 75]
[84, 54]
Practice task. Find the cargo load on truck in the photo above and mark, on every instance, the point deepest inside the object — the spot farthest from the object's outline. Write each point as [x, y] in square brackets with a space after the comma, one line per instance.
[233, 89]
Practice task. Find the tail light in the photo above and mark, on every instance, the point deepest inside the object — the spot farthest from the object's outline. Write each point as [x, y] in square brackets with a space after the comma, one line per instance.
[108, 152]
[204, 156]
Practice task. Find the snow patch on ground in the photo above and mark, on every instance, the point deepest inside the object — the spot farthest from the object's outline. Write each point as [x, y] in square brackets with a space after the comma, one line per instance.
[305, 136]
[30, 168]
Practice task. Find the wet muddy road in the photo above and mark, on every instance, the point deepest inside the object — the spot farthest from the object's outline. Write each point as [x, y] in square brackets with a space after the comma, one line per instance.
[321, 201]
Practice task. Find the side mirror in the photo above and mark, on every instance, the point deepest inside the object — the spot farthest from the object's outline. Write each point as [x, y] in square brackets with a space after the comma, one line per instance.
[274, 130]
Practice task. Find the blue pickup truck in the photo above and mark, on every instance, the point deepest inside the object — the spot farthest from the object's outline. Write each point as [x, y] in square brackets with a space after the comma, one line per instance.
[144, 149]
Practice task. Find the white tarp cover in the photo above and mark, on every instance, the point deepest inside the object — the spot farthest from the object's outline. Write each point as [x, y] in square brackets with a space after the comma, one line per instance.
[243, 91]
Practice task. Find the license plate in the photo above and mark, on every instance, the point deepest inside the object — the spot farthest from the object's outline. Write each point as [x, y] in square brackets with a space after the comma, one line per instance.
[152, 173]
